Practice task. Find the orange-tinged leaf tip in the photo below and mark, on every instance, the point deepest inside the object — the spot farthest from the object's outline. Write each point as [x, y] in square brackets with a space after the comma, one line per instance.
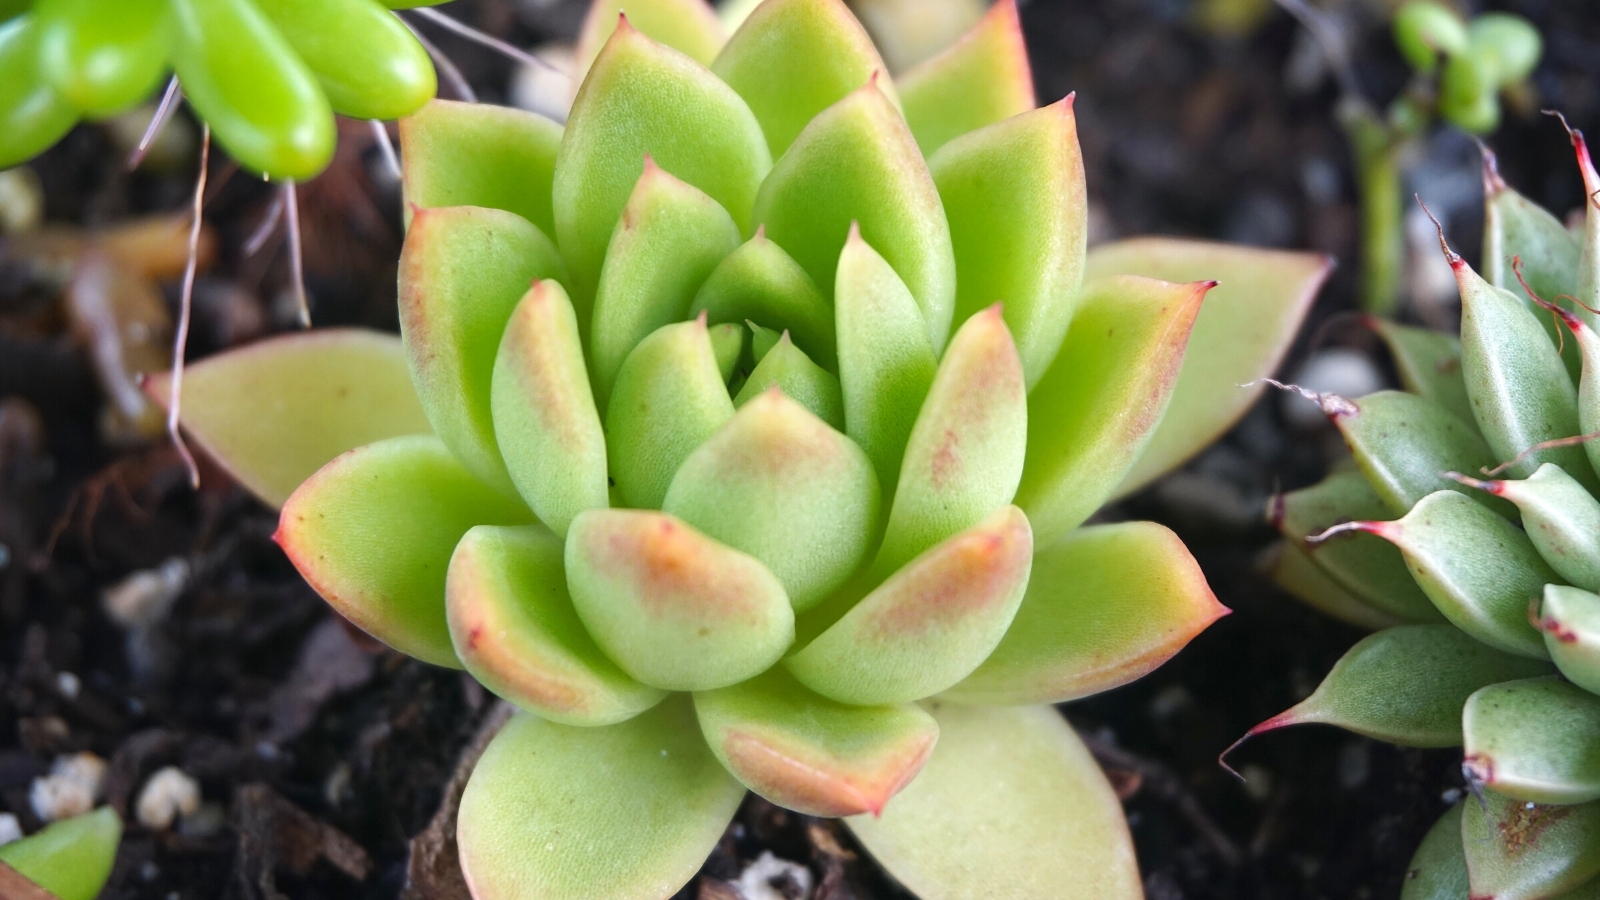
[810, 784]
[1070, 100]
[702, 319]
[855, 232]
[1591, 180]
[623, 24]
[761, 232]
[970, 569]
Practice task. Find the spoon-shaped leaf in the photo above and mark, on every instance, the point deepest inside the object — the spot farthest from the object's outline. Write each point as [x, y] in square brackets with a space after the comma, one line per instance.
[787, 368]
[674, 608]
[1570, 620]
[1104, 606]
[1300, 575]
[1105, 394]
[981, 79]
[103, 59]
[759, 282]
[931, 624]
[810, 754]
[367, 61]
[1438, 870]
[1523, 851]
[687, 26]
[72, 858]
[1536, 740]
[515, 630]
[1010, 805]
[33, 115]
[626, 812]
[1405, 444]
[1561, 518]
[1429, 363]
[480, 154]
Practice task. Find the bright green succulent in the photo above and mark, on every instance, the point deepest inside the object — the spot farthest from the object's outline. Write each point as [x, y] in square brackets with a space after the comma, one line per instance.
[1484, 589]
[267, 75]
[71, 858]
[741, 433]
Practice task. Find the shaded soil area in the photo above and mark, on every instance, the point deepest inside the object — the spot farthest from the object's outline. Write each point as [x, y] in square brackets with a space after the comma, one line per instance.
[320, 756]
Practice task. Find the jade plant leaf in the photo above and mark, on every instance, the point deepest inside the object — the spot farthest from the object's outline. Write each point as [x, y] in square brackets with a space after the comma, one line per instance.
[627, 811]
[687, 26]
[373, 532]
[480, 154]
[787, 368]
[981, 79]
[72, 858]
[759, 282]
[1240, 335]
[1438, 870]
[1009, 805]
[1302, 576]
[805, 752]
[1523, 851]
[1429, 364]
[1105, 605]
[274, 412]
[514, 628]
[1406, 445]
[367, 61]
[103, 59]
[34, 113]
[1570, 621]
[1536, 740]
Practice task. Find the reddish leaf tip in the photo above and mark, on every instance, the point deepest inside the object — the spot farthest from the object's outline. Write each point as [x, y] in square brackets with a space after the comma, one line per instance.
[1280, 720]
[1277, 508]
[1386, 530]
[704, 318]
[761, 233]
[855, 232]
[1495, 488]
[623, 24]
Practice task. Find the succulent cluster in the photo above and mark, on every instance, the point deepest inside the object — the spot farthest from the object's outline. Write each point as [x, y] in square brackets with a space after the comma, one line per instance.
[1485, 587]
[267, 75]
[1473, 61]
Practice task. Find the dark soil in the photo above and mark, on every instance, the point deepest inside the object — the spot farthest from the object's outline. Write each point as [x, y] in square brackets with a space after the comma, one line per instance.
[323, 756]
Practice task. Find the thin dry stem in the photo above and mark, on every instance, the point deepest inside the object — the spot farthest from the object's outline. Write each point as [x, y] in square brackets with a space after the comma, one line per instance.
[164, 111]
[180, 341]
[297, 272]
[1540, 447]
[1332, 405]
[380, 131]
[493, 43]
[447, 69]
[1450, 256]
[269, 224]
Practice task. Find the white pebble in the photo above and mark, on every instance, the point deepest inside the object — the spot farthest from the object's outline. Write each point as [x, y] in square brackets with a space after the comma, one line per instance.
[760, 880]
[167, 795]
[10, 829]
[146, 597]
[71, 788]
[68, 685]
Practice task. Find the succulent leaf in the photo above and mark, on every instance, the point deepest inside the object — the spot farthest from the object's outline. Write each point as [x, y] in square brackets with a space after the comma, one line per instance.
[1240, 335]
[1429, 364]
[546, 798]
[367, 61]
[514, 628]
[728, 344]
[71, 858]
[759, 282]
[462, 272]
[1304, 577]
[856, 165]
[787, 368]
[687, 26]
[981, 79]
[1536, 740]
[1570, 620]
[1561, 519]
[1516, 228]
[1104, 396]
[1015, 198]
[1589, 249]
[1104, 606]
[276, 411]
[34, 114]
[373, 532]
[480, 154]
[1588, 343]
[930, 624]
[1438, 870]
[807, 753]
[1029, 809]
[103, 59]
[1405, 444]
[672, 607]
[1523, 851]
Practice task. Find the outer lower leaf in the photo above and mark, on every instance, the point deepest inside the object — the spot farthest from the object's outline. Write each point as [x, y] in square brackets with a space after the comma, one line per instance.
[72, 858]
[669, 239]
[1570, 621]
[779, 484]
[1300, 575]
[856, 163]
[811, 754]
[1015, 198]
[1104, 606]
[1405, 444]
[964, 457]
[1102, 399]
[625, 812]
[791, 59]
[1438, 871]
[1522, 851]
[670, 397]
[981, 79]
[276, 411]
[480, 154]
[931, 624]
[1010, 806]
[373, 532]
[1429, 364]
[642, 98]
[1406, 685]
[1561, 519]
[687, 26]
[1241, 334]
[462, 272]
[787, 368]
[34, 114]
[759, 282]
[674, 608]
[1536, 740]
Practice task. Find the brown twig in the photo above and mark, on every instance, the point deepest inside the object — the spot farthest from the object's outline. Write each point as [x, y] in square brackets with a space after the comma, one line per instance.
[180, 341]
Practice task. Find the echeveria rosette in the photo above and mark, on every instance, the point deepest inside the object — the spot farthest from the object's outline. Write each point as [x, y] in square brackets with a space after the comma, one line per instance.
[267, 75]
[753, 429]
[1482, 577]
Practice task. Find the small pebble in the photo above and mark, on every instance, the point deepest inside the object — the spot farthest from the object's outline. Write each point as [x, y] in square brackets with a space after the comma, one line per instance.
[144, 598]
[168, 794]
[21, 201]
[771, 878]
[68, 685]
[71, 788]
[10, 829]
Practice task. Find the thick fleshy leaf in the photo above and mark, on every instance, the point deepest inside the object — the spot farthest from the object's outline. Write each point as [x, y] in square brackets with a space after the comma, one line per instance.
[1102, 399]
[669, 239]
[1522, 851]
[274, 412]
[964, 457]
[102, 59]
[1588, 342]
[810, 754]
[762, 340]
[1405, 445]
[1570, 621]
[1241, 334]
[778, 483]
[674, 608]
[642, 98]
[366, 60]
[787, 368]
[372, 532]
[1589, 242]
[1406, 685]
[1364, 564]
[72, 858]
[1517, 229]
[1438, 870]
[791, 59]
[514, 628]
[36, 115]
[544, 415]
[1561, 518]
[1104, 606]
[931, 624]
[981, 79]
[462, 271]
[1010, 806]
[625, 812]
[670, 397]
[1300, 575]
[728, 343]
[761, 283]
[886, 361]
[856, 164]
[1429, 363]
[687, 26]
[1535, 740]
[480, 154]
[1017, 207]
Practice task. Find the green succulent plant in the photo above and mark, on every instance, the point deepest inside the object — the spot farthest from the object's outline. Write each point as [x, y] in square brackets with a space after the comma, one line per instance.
[742, 433]
[71, 858]
[1484, 588]
[267, 75]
